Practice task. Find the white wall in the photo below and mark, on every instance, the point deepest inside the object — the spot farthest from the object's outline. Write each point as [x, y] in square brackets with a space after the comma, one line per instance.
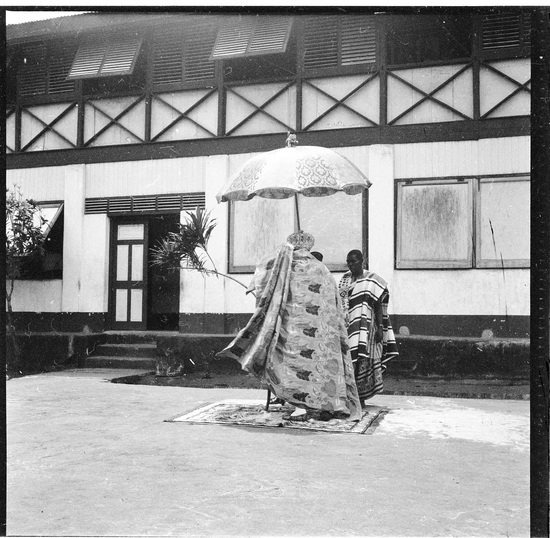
[95, 264]
[73, 239]
[210, 294]
[458, 292]
[42, 185]
[37, 296]
[85, 282]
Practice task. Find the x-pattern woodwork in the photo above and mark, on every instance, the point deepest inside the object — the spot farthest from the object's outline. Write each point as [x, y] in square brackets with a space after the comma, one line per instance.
[430, 96]
[114, 121]
[48, 126]
[183, 115]
[260, 108]
[520, 87]
[340, 102]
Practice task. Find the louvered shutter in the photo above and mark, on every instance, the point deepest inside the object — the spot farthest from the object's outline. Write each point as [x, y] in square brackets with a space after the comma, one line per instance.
[131, 204]
[183, 55]
[321, 43]
[248, 36]
[334, 41]
[121, 57]
[33, 71]
[167, 57]
[358, 40]
[60, 64]
[505, 30]
[271, 34]
[116, 56]
[198, 44]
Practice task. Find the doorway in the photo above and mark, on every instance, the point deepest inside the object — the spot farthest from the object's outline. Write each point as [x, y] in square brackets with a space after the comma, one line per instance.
[141, 296]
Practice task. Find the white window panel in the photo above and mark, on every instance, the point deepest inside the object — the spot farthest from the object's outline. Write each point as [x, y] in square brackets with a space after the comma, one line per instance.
[130, 232]
[136, 313]
[121, 309]
[122, 263]
[503, 222]
[434, 224]
[137, 262]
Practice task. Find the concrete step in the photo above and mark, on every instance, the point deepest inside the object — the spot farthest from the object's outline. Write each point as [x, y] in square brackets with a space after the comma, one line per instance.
[126, 350]
[131, 337]
[142, 363]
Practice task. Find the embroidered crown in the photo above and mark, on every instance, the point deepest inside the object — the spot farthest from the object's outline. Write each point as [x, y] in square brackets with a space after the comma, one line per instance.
[301, 239]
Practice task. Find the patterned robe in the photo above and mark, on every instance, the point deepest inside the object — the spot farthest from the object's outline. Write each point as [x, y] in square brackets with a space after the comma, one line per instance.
[370, 334]
[296, 340]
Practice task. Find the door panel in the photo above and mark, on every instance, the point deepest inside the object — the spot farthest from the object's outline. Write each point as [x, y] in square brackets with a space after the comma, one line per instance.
[128, 298]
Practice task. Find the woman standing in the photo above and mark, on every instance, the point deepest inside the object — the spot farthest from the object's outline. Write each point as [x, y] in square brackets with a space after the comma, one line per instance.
[371, 339]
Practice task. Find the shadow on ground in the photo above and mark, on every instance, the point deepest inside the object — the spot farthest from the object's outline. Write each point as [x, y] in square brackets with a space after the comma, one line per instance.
[501, 389]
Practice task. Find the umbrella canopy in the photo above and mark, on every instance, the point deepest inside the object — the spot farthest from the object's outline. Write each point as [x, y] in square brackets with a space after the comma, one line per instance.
[285, 172]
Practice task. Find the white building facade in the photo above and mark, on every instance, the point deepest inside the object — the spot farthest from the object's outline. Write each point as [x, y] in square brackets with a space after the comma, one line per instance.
[124, 122]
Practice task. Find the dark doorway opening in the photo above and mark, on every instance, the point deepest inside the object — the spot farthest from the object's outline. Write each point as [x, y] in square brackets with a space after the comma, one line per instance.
[164, 286]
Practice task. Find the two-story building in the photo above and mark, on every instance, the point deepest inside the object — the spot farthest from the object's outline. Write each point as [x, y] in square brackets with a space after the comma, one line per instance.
[119, 123]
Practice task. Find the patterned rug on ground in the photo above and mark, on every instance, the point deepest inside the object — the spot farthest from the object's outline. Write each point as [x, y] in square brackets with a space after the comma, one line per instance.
[253, 413]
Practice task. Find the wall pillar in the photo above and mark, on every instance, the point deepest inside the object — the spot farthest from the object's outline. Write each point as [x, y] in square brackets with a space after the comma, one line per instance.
[74, 196]
[381, 211]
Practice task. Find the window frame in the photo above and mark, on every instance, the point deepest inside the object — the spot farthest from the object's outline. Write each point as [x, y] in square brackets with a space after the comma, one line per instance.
[33, 265]
[474, 222]
[465, 263]
[184, 84]
[517, 263]
[332, 267]
[521, 50]
[388, 28]
[46, 97]
[109, 43]
[255, 22]
[339, 69]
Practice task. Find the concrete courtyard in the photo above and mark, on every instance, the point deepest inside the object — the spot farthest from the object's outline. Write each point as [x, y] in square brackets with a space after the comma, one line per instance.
[89, 457]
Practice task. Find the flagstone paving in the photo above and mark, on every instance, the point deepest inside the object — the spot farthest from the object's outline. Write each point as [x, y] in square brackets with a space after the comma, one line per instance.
[90, 457]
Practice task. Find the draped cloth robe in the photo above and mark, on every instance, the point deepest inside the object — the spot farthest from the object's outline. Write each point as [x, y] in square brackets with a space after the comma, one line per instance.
[296, 340]
[370, 334]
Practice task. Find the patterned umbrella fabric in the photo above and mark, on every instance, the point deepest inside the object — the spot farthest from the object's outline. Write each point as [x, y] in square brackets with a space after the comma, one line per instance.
[285, 172]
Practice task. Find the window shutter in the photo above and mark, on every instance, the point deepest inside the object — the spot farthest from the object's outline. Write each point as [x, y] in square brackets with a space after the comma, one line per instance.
[358, 40]
[271, 34]
[88, 60]
[121, 57]
[167, 57]
[335, 41]
[505, 30]
[152, 203]
[233, 38]
[33, 72]
[183, 55]
[321, 43]
[198, 44]
[60, 64]
[526, 29]
[248, 36]
[116, 56]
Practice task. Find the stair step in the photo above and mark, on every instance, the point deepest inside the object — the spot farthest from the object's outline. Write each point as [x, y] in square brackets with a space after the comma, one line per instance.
[126, 350]
[121, 362]
[131, 337]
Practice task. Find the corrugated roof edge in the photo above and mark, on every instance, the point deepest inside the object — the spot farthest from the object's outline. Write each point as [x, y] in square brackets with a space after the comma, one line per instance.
[78, 23]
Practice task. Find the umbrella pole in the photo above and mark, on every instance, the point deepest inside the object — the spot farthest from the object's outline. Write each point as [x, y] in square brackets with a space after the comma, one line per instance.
[297, 211]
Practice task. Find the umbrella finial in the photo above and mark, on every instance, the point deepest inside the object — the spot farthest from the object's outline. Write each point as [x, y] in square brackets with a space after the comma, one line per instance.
[291, 140]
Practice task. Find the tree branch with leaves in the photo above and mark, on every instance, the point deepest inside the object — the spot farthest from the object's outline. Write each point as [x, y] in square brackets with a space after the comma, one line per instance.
[24, 242]
[187, 248]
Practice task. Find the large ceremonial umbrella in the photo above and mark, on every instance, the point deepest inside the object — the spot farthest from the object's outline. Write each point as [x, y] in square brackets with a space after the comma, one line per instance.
[293, 170]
